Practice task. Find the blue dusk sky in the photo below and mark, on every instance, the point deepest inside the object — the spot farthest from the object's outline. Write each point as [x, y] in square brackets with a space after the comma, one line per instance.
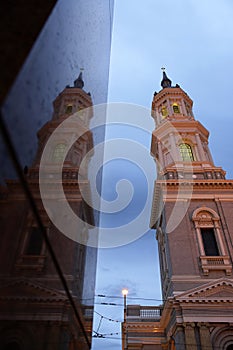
[194, 41]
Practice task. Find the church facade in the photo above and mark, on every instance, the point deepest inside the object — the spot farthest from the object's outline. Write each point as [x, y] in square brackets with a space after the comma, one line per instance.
[36, 311]
[192, 214]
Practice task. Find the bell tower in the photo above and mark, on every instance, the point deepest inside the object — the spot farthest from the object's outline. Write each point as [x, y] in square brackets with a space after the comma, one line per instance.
[36, 312]
[192, 214]
[180, 143]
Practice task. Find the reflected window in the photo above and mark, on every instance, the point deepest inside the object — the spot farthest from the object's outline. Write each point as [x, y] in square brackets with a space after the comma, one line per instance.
[59, 152]
[34, 242]
[186, 152]
[176, 108]
[69, 109]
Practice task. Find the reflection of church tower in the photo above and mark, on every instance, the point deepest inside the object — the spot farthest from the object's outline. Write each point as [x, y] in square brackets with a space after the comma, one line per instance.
[192, 214]
[35, 311]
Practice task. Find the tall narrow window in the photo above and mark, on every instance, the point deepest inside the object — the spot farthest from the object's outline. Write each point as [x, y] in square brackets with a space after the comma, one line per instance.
[212, 246]
[209, 242]
[186, 152]
[58, 153]
[164, 111]
[176, 108]
[69, 109]
[34, 242]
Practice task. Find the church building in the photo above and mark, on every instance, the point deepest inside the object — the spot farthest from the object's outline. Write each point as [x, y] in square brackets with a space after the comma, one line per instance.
[192, 214]
[36, 310]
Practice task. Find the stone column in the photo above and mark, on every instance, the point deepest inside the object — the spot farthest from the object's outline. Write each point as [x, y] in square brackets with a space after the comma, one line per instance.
[183, 108]
[179, 338]
[169, 107]
[161, 158]
[54, 336]
[190, 339]
[175, 154]
[201, 246]
[205, 337]
[200, 148]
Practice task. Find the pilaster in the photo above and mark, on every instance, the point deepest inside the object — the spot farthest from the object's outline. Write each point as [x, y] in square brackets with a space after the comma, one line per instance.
[180, 338]
[205, 337]
[190, 339]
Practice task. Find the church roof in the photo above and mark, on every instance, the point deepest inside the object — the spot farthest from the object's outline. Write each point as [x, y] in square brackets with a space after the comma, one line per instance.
[220, 290]
[25, 290]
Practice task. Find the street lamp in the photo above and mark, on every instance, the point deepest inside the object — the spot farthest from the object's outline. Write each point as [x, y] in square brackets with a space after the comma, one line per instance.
[124, 293]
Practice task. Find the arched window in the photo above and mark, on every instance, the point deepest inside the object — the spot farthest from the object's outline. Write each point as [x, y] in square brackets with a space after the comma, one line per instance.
[212, 248]
[59, 152]
[186, 152]
[222, 338]
[176, 108]
[207, 225]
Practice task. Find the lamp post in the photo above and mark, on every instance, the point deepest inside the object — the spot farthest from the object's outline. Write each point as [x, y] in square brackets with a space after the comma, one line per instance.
[124, 293]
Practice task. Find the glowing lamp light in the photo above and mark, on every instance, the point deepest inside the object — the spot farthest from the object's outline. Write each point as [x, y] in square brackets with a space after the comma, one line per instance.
[124, 291]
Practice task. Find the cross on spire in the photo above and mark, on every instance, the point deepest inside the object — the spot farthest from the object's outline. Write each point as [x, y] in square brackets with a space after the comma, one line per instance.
[166, 82]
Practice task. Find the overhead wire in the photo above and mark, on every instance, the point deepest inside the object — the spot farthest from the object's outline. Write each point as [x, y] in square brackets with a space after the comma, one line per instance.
[107, 318]
[128, 297]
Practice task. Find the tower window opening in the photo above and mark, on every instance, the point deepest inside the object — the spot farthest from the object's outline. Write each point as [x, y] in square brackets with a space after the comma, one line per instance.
[209, 242]
[59, 152]
[69, 109]
[176, 108]
[164, 111]
[34, 242]
[186, 152]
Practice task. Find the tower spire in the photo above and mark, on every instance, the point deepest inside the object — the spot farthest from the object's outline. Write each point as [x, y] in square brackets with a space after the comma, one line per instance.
[166, 82]
[79, 83]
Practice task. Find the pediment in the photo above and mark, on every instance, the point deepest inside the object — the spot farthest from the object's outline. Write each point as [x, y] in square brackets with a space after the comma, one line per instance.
[219, 290]
[28, 290]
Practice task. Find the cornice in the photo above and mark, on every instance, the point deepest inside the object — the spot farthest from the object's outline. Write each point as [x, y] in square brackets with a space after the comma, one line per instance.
[147, 326]
[33, 292]
[171, 124]
[226, 184]
[171, 91]
[74, 91]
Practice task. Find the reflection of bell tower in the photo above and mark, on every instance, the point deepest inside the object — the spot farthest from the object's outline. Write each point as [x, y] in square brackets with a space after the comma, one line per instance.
[35, 311]
[192, 215]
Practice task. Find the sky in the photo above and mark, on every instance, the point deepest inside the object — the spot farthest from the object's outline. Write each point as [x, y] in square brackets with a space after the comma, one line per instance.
[193, 40]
